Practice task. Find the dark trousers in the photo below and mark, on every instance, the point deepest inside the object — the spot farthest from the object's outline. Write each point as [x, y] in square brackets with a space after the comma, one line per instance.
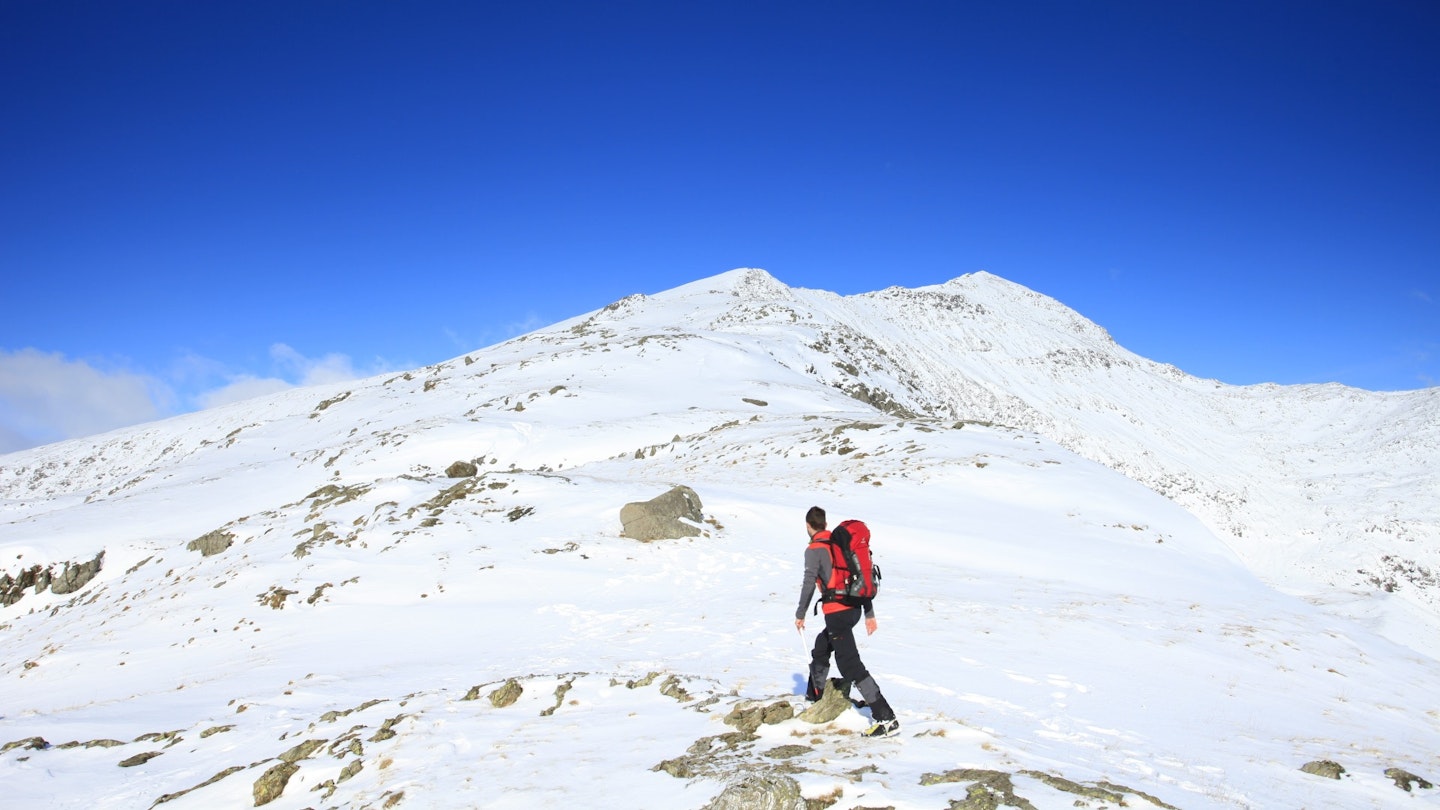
[838, 639]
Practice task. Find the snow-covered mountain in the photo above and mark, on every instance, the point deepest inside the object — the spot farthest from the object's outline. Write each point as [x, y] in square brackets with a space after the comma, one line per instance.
[291, 592]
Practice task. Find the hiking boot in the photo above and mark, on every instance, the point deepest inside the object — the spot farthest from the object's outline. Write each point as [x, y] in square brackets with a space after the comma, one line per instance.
[884, 728]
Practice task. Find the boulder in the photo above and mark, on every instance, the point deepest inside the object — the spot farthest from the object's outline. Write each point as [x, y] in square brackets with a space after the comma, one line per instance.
[1323, 767]
[662, 517]
[1406, 780]
[506, 695]
[831, 705]
[461, 469]
[212, 543]
[760, 792]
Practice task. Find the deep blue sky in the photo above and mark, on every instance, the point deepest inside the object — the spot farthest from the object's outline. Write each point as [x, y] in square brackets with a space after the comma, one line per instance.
[195, 195]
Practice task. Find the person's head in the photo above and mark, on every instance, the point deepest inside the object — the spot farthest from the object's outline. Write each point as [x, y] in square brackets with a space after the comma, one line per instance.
[815, 520]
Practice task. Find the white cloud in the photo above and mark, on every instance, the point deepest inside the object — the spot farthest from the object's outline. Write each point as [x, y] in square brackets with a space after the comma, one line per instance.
[45, 397]
[240, 388]
[1422, 296]
[304, 370]
[291, 369]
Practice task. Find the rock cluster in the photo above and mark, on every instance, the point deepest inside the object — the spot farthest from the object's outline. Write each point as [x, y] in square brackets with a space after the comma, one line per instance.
[71, 578]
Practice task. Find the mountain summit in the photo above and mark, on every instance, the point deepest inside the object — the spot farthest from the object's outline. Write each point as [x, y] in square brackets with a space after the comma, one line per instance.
[1106, 580]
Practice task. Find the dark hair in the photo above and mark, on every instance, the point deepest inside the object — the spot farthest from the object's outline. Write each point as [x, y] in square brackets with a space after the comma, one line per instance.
[815, 518]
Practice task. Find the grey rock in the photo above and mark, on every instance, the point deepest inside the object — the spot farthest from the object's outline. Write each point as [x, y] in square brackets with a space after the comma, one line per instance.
[831, 705]
[76, 576]
[507, 694]
[272, 783]
[760, 792]
[29, 743]
[212, 543]
[302, 751]
[1406, 780]
[660, 518]
[1323, 767]
[461, 469]
[138, 759]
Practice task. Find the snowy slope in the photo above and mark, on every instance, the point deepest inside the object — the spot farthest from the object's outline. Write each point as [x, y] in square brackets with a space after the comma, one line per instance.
[1043, 616]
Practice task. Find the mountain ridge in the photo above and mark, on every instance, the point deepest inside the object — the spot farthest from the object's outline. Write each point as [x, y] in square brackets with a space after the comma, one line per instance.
[297, 598]
[981, 348]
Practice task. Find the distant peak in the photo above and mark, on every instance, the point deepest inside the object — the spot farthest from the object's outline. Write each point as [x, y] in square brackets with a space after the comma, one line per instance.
[750, 283]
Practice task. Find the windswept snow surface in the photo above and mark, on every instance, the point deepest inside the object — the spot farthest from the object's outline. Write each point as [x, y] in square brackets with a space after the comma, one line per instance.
[1042, 614]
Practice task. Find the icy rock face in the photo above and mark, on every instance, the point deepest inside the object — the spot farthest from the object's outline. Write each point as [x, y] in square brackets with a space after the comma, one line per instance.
[663, 517]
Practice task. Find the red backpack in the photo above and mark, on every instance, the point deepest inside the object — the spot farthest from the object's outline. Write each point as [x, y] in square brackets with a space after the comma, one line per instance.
[854, 578]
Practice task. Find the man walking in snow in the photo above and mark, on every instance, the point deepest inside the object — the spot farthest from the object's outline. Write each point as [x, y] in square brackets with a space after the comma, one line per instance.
[838, 637]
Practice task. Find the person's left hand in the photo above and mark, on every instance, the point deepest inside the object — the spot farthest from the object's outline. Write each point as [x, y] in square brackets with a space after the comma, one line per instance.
[871, 626]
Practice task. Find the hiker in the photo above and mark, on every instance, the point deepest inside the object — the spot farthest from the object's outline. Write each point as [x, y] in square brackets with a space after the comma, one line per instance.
[839, 633]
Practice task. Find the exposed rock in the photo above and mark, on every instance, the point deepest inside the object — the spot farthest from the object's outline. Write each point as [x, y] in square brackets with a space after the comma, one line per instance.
[1406, 780]
[662, 517]
[831, 705]
[12, 589]
[208, 782]
[302, 751]
[670, 687]
[272, 783]
[788, 751]
[990, 789]
[353, 767]
[760, 792]
[560, 692]
[642, 682]
[139, 759]
[275, 597]
[1323, 767]
[30, 743]
[72, 577]
[75, 576]
[387, 729]
[507, 694]
[211, 543]
[749, 717]
[778, 712]
[1064, 785]
[461, 469]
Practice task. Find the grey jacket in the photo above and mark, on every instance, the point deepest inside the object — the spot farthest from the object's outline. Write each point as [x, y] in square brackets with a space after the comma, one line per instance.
[817, 569]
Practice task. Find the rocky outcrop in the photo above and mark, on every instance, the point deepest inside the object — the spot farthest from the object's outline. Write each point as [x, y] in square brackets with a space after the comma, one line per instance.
[71, 578]
[461, 469]
[663, 517]
[211, 543]
[76, 575]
